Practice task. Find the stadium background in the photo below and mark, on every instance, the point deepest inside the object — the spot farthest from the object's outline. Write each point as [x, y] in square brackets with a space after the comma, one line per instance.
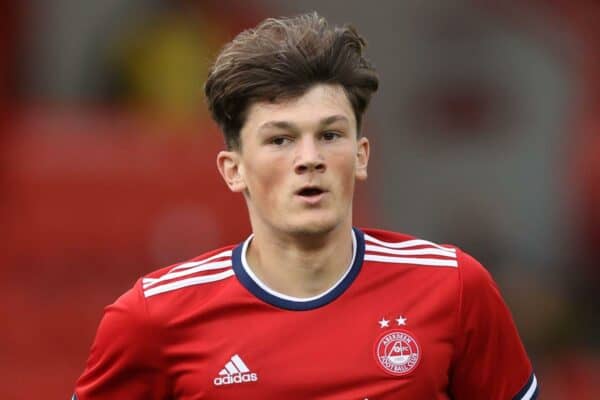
[485, 134]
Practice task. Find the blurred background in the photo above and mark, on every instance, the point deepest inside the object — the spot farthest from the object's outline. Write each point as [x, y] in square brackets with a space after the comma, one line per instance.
[485, 134]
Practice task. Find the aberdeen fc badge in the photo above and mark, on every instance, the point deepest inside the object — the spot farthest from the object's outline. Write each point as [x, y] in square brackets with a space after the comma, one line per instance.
[397, 352]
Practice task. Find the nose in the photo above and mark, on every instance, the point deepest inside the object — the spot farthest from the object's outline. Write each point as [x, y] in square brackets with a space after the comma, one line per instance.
[309, 157]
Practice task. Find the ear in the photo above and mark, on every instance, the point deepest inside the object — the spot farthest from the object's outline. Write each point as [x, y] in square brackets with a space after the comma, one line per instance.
[228, 164]
[362, 158]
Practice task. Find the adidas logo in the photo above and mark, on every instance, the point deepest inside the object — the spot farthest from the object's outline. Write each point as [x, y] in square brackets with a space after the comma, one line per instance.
[235, 371]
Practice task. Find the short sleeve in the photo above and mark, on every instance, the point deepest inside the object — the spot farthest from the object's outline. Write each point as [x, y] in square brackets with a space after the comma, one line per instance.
[125, 360]
[490, 362]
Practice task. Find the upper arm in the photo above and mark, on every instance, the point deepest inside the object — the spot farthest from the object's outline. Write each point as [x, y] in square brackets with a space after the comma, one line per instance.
[125, 360]
[490, 361]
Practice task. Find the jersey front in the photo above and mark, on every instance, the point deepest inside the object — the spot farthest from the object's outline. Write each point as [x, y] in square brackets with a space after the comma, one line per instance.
[409, 319]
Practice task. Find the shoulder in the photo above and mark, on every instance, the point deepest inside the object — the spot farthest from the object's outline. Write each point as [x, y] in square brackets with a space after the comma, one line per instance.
[200, 272]
[399, 248]
[387, 247]
[169, 288]
[174, 291]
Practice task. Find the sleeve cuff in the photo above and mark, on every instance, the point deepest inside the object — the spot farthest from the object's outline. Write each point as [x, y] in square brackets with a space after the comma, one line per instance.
[529, 391]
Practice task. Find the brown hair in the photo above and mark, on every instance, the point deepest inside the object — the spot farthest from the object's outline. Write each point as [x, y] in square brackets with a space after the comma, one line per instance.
[282, 58]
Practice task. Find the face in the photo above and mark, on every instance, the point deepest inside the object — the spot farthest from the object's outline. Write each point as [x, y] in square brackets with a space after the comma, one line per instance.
[298, 162]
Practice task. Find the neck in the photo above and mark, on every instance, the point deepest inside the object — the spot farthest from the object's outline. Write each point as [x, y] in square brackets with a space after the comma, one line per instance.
[303, 265]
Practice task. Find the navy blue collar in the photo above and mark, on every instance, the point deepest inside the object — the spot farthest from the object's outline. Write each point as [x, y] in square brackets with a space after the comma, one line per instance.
[260, 290]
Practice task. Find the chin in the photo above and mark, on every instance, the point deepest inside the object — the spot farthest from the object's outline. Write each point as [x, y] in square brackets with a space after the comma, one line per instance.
[312, 230]
[316, 227]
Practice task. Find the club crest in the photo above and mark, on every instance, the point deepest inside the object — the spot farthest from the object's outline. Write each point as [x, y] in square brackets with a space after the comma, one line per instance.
[397, 352]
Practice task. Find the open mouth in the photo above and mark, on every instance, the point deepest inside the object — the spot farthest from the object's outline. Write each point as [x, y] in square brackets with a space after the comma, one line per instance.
[309, 192]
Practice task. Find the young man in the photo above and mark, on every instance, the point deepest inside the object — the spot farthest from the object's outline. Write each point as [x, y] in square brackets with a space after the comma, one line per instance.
[307, 307]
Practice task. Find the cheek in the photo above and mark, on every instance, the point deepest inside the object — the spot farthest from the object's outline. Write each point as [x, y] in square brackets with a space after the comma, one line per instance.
[264, 179]
[346, 174]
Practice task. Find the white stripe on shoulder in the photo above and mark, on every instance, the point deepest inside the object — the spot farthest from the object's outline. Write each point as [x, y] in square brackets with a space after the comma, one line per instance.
[407, 243]
[531, 391]
[190, 264]
[147, 282]
[410, 252]
[197, 280]
[436, 262]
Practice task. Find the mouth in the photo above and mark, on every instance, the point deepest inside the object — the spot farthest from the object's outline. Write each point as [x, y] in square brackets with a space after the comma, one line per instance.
[310, 191]
[311, 194]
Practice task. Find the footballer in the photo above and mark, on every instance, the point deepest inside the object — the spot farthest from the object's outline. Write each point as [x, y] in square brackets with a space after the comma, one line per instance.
[308, 306]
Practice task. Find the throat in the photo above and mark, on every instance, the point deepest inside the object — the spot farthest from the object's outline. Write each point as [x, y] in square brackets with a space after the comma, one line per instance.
[300, 273]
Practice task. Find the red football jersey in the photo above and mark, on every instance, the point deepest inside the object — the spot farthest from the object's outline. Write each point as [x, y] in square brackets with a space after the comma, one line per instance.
[409, 319]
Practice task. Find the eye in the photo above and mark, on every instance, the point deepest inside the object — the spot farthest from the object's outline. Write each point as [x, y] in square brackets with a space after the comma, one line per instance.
[279, 140]
[330, 135]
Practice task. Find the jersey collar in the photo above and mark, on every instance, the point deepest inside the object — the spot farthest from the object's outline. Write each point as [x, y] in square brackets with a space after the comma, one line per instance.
[251, 282]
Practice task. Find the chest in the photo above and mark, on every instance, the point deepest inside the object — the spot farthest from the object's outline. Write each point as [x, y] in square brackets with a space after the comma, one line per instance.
[368, 344]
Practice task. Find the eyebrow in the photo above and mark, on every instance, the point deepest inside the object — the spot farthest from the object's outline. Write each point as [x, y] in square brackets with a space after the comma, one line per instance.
[293, 127]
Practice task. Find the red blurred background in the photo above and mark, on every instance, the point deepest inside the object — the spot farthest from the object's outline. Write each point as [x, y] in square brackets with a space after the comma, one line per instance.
[107, 167]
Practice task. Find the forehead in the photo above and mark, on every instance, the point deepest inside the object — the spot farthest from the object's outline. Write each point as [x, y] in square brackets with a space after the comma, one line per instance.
[315, 105]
